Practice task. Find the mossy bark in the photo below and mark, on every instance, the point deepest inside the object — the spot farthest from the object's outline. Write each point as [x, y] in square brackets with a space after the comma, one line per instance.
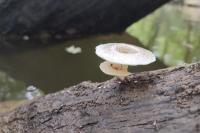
[164, 100]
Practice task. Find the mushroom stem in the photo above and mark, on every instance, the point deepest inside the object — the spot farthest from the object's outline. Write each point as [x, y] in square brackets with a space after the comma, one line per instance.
[121, 78]
[119, 67]
[118, 70]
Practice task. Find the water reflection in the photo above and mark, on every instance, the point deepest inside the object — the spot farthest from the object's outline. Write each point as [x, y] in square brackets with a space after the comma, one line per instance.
[9, 88]
[13, 89]
[172, 32]
[52, 68]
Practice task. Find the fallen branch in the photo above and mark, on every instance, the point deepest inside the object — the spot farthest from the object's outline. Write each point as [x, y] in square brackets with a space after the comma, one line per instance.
[71, 18]
[164, 100]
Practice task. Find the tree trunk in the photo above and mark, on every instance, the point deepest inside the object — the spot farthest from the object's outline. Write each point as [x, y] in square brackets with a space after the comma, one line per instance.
[71, 17]
[164, 100]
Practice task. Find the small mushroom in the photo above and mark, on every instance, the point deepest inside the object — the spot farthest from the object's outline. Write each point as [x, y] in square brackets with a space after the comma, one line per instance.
[119, 55]
[114, 69]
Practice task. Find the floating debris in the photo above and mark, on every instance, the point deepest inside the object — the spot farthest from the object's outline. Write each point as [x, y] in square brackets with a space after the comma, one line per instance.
[32, 92]
[26, 38]
[73, 50]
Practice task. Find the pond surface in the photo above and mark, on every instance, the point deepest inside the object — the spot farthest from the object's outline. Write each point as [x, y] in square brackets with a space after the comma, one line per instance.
[169, 33]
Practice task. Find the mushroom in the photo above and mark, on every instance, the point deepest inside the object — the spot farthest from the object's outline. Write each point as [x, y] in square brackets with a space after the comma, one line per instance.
[119, 55]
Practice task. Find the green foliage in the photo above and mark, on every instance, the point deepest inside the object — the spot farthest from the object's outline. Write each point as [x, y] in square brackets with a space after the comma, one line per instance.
[170, 33]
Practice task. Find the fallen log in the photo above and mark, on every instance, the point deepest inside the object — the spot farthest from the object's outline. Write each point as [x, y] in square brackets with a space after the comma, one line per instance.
[71, 17]
[165, 100]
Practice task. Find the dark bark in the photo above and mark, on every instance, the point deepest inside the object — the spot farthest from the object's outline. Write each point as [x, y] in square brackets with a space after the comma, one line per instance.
[71, 17]
[164, 100]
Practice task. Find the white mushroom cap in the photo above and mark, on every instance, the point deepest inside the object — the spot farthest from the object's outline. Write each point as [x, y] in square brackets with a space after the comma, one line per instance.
[127, 54]
[108, 69]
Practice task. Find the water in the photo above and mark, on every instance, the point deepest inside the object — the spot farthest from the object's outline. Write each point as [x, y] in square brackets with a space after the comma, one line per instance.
[172, 36]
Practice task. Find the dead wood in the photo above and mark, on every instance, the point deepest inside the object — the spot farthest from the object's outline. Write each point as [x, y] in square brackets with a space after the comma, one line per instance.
[71, 18]
[164, 100]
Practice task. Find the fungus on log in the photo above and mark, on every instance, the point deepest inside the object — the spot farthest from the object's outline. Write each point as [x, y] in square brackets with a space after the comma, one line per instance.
[119, 56]
[71, 17]
[165, 100]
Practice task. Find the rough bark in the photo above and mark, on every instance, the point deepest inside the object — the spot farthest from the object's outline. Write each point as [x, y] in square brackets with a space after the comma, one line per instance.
[164, 100]
[71, 17]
